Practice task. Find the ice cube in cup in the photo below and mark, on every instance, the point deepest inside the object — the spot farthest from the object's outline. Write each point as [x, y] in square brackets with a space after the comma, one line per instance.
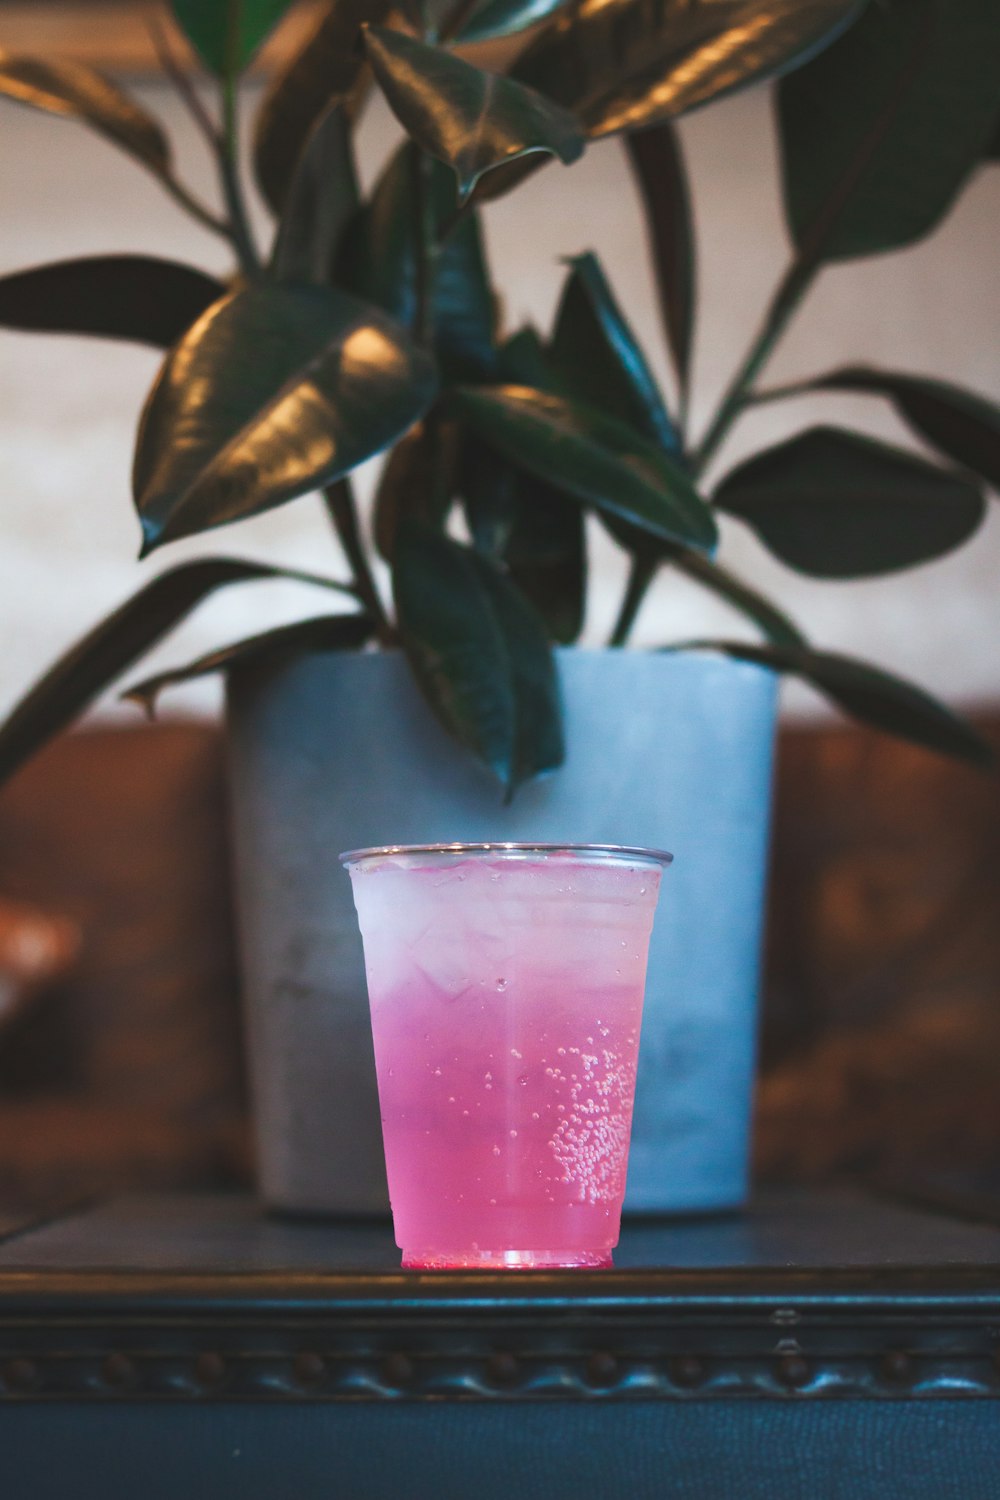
[506, 984]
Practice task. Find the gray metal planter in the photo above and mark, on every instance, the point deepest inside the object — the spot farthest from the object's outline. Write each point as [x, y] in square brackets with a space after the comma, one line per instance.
[338, 751]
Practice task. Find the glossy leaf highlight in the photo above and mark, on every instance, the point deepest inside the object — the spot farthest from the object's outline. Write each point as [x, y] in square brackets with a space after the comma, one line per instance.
[470, 119]
[276, 391]
[597, 458]
[79, 93]
[498, 18]
[625, 64]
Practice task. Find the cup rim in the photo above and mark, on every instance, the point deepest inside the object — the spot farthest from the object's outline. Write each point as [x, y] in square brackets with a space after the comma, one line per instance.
[510, 848]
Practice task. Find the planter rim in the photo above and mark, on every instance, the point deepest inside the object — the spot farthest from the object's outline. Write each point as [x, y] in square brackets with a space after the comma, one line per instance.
[609, 653]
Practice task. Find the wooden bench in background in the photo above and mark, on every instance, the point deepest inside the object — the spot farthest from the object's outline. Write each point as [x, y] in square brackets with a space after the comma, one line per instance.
[881, 1022]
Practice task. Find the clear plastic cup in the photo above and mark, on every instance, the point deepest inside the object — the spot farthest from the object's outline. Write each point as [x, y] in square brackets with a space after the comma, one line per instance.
[506, 985]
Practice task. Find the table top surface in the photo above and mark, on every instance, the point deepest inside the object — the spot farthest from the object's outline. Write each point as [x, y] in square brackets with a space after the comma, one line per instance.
[804, 1295]
[227, 1242]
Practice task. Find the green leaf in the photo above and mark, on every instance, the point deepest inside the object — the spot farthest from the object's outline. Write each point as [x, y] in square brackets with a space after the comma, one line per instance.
[880, 133]
[134, 297]
[417, 481]
[113, 645]
[227, 33]
[836, 505]
[78, 93]
[993, 145]
[323, 633]
[658, 165]
[322, 200]
[470, 119]
[479, 653]
[505, 18]
[598, 357]
[960, 423]
[546, 554]
[600, 460]
[534, 528]
[276, 391]
[523, 360]
[775, 624]
[875, 697]
[328, 68]
[379, 264]
[625, 64]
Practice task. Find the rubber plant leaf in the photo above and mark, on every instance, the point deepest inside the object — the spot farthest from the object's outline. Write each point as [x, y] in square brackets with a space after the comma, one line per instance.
[524, 360]
[534, 528]
[960, 423]
[596, 458]
[546, 555]
[276, 391]
[834, 504]
[479, 653]
[379, 263]
[328, 68]
[322, 633]
[79, 93]
[108, 650]
[322, 200]
[625, 64]
[499, 18]
[882, 131]
[993, 145]
[417, 481]
[134, 297]
[597, 355]
[658, 166]
[877, 698]
[464, 116]
[226, 33]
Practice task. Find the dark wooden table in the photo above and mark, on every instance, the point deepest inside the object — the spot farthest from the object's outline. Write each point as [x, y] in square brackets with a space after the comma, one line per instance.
[186, 1348]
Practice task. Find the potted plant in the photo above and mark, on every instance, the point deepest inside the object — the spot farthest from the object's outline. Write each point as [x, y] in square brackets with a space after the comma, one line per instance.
[371, 324]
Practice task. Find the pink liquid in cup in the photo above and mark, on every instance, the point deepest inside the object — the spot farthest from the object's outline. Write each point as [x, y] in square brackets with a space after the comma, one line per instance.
[506, 988]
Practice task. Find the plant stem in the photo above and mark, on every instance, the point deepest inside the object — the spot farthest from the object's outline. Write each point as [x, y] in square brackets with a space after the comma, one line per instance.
[340, 504]
[643, 570]
[178, 76]
[781, 392]
[784, 303]
[227, 152]
[196, 209]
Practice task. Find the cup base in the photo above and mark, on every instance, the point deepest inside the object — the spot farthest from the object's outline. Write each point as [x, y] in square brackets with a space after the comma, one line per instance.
[507, 1260]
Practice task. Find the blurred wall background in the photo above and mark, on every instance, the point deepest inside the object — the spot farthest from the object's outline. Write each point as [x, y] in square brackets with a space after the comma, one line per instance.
[68, 407]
